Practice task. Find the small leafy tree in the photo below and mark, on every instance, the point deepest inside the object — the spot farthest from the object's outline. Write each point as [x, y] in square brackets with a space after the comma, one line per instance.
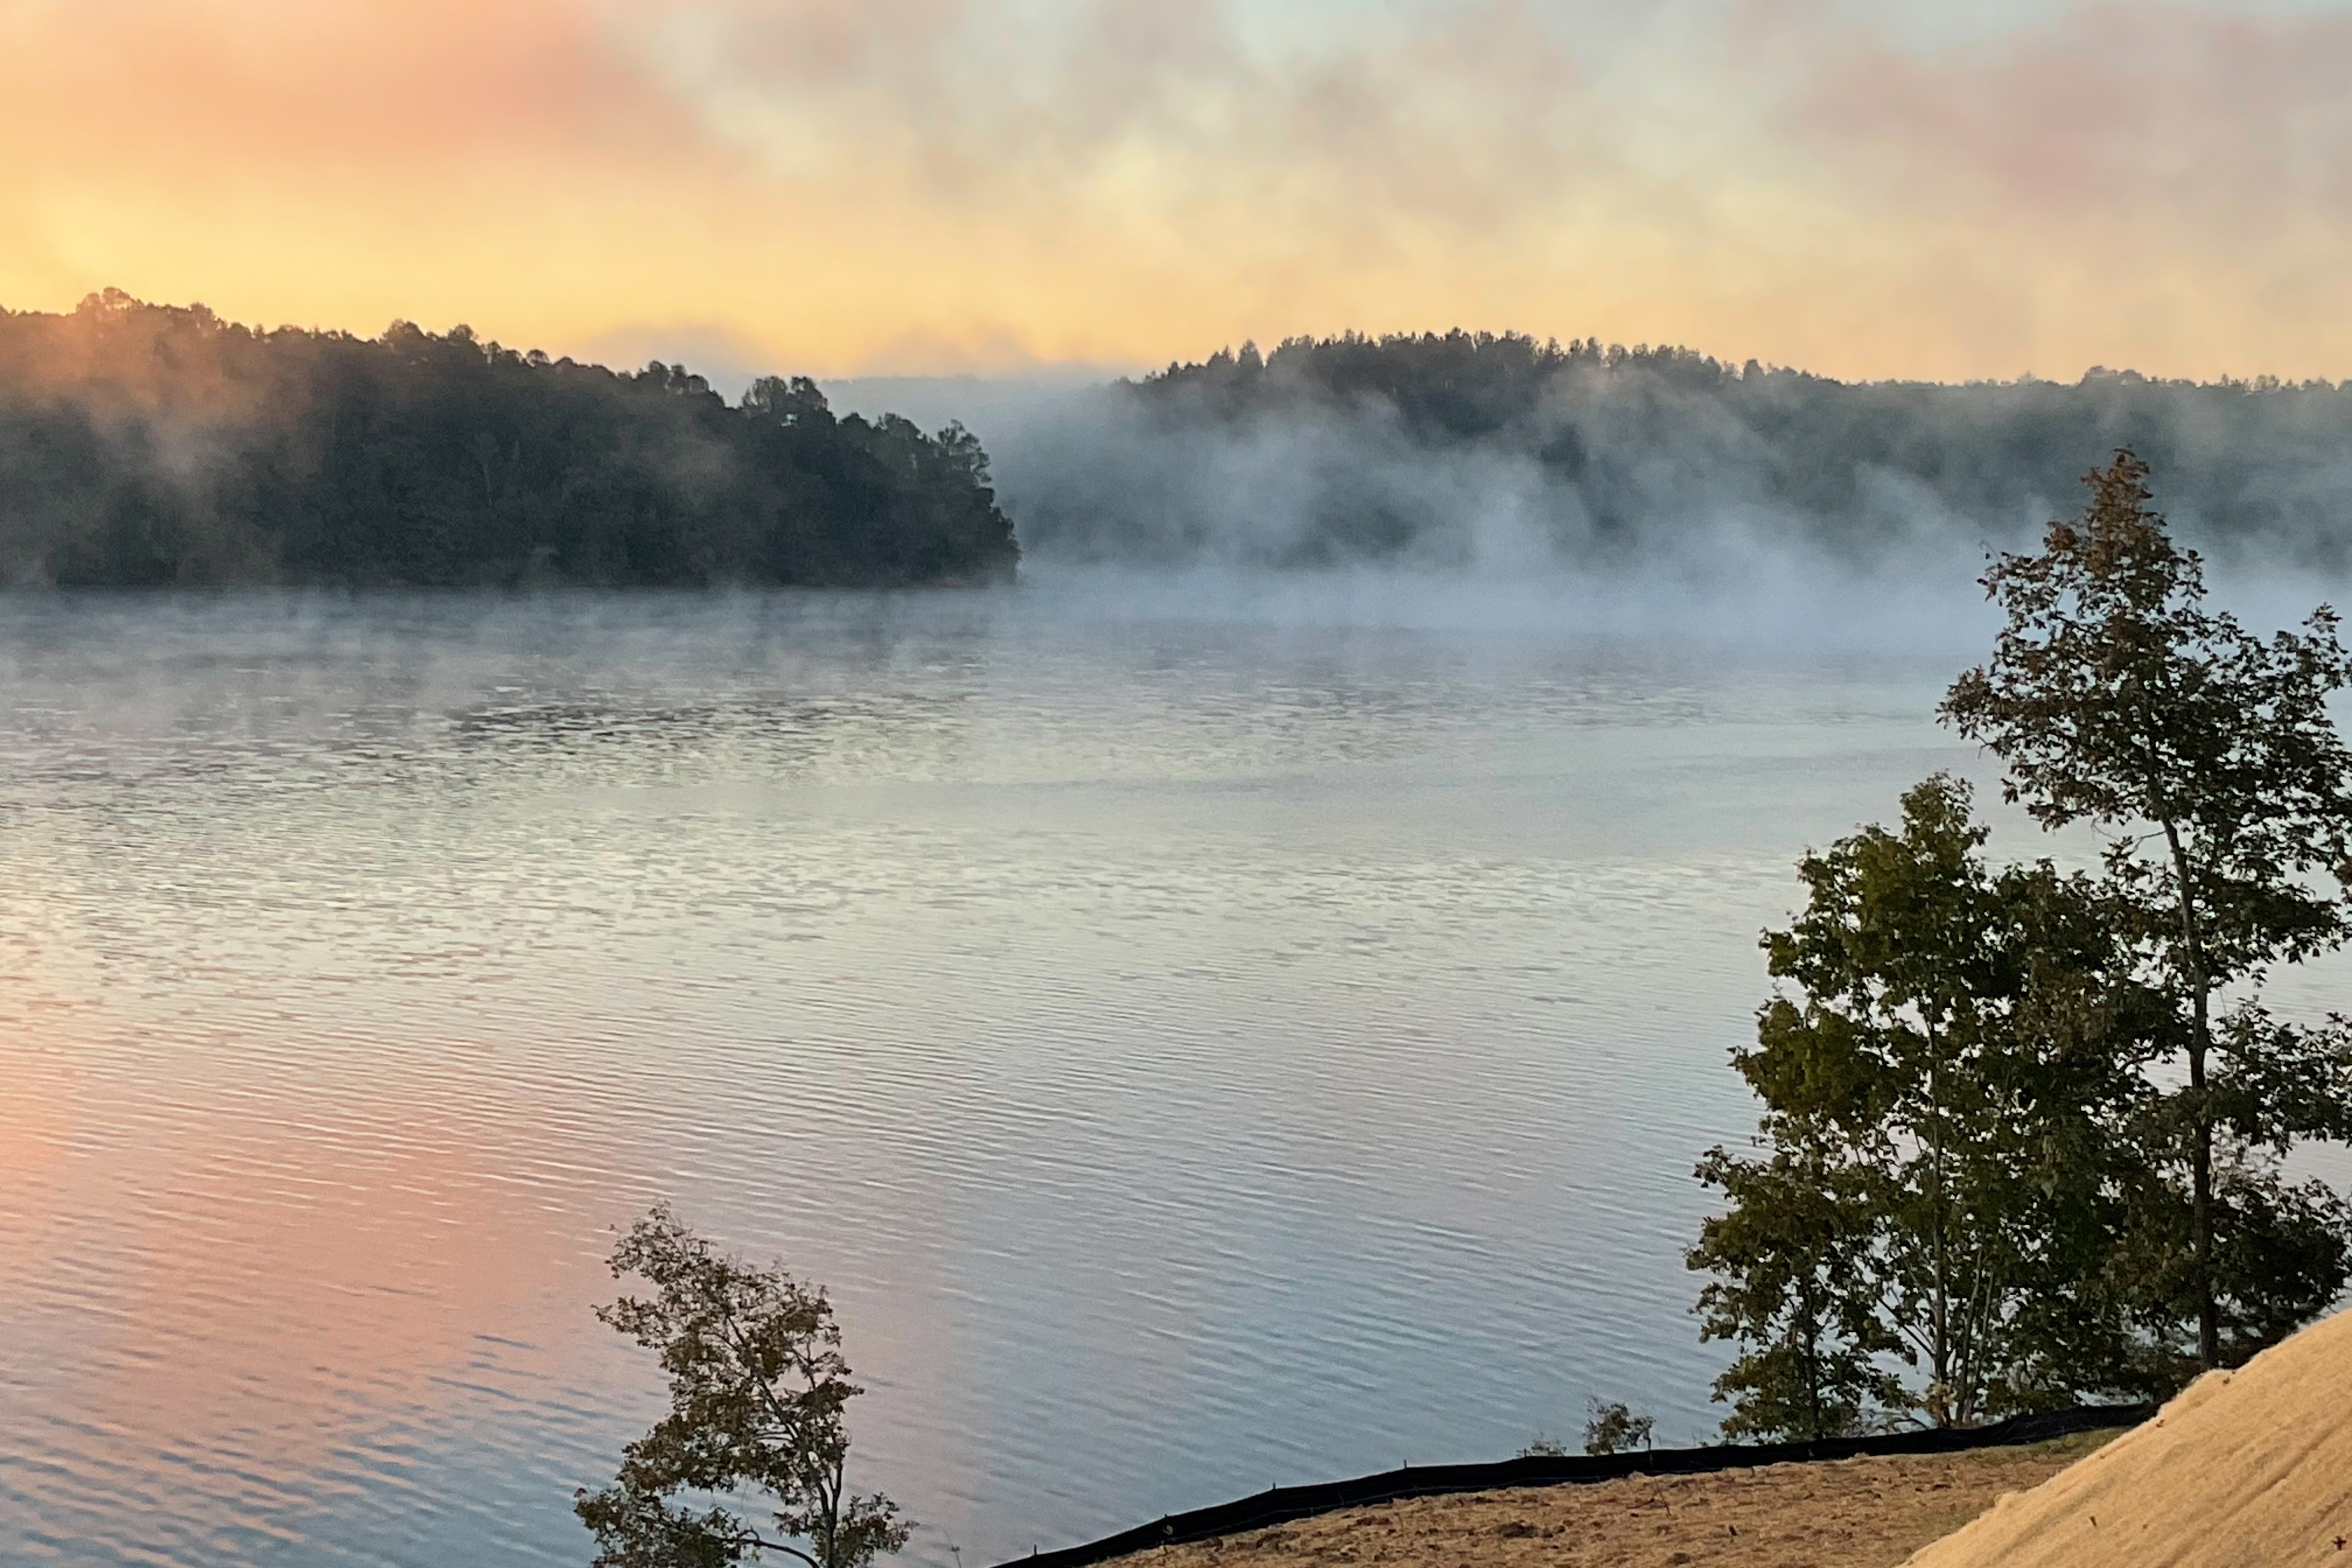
[1791, 1288]
[1611, 1427]
[2207, 755]
[757, 1389]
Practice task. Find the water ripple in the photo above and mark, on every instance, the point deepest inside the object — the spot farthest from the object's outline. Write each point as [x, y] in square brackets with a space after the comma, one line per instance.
[1197, 1057]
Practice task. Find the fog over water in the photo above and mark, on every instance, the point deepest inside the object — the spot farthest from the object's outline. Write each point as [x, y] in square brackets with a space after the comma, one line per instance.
[1500, 456]
[1210, 1026]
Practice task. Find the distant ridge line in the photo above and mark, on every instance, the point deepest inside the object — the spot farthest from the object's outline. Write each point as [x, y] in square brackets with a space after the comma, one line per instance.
[1280, 1505]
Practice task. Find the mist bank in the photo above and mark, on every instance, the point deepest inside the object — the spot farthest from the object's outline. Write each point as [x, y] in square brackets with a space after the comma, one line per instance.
[1505, 457]
[145, 446]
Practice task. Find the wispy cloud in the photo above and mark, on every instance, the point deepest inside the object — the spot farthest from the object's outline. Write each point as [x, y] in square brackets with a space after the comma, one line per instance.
[2159, 114]
[894, 183]
[1153, 114]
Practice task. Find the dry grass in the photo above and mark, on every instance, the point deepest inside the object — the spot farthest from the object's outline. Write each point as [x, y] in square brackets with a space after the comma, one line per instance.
[1854, 1513]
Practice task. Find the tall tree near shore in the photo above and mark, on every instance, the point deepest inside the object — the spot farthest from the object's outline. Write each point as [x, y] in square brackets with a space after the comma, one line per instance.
[2207, 756]
[1938, 1077]
[757, 1391]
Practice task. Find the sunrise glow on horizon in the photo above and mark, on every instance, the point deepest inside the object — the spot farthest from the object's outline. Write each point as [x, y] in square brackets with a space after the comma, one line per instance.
[924, 186]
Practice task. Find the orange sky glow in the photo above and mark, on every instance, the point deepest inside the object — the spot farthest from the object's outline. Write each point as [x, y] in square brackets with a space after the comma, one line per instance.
[840, 186]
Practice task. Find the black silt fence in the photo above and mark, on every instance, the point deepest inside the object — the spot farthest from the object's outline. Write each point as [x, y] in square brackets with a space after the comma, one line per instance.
[1279, 1505]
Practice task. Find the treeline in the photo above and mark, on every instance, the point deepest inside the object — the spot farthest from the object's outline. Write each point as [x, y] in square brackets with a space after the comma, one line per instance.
[2026, 1131]
[1355, 448]
[143, 445]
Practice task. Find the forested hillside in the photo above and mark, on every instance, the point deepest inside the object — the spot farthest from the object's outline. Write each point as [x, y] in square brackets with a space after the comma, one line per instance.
[147, 446]
[1433, 447]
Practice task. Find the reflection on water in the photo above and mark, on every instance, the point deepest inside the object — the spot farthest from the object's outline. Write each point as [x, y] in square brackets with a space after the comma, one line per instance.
[1197, 1055]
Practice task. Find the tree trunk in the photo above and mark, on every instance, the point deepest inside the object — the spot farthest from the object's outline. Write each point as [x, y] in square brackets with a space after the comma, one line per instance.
[1940, 1303]
[1812, 1368]
[2200, 1198]
[2200, 1153]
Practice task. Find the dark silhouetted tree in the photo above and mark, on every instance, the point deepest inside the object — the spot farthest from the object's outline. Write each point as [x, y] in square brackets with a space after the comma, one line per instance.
[143, 445]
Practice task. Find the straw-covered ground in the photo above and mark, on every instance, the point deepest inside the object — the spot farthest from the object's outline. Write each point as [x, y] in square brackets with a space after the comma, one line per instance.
[2251, 1468]
[1853, 1513]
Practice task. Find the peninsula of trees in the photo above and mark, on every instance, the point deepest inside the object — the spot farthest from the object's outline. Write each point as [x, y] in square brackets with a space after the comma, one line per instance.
[146, 445]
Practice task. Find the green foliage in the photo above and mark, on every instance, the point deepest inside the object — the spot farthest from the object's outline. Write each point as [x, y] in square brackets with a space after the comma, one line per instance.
[2024, 1132]
[2207, 756]
[144, 446]
[1939, 1189]
[1611, 1428]
[757, 1389]
[1788, 1256]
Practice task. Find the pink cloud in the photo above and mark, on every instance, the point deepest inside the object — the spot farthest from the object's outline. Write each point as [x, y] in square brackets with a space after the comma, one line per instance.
[211, 89]
[2164, 112]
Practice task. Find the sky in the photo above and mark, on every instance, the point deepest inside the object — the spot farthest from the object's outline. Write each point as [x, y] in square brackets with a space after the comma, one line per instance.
[1904, 188]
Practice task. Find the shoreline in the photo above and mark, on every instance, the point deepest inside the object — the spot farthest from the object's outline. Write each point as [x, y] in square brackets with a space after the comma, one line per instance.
[1278, 1507]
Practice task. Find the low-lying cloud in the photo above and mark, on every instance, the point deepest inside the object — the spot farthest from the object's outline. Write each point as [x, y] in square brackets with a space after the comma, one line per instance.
[1501, 480]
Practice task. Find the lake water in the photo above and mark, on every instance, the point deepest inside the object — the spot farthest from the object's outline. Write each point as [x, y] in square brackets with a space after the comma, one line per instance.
[1197, 1053]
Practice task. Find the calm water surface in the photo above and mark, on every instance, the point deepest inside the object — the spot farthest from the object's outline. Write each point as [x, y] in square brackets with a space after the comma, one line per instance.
[1197, 1055]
